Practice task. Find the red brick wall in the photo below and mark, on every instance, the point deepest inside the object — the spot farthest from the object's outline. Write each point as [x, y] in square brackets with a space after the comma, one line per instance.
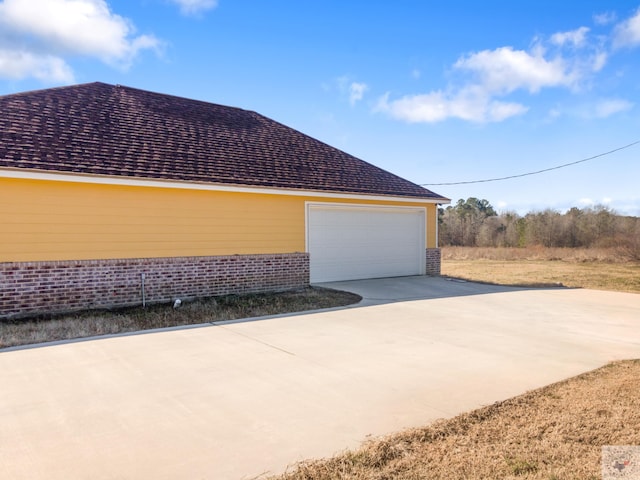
[434, 259]
[29, 288]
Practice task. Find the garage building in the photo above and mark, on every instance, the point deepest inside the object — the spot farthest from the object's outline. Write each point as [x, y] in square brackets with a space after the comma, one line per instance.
[110, 193]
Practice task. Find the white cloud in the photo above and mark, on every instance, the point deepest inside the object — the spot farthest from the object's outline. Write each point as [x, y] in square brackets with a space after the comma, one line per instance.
[470, 105]
[504, 70]
[576, 38]
[356, 91]
[482, 82]
[347, 87]
[606, 108]
[193, 7]
[627, 33]
[428, 108]
[605, 18]
[42, 33]
[554, 113]
[16, 65]
[495, 73]
[594, 110]
[598, 61]
[499, 111]
[588, 202]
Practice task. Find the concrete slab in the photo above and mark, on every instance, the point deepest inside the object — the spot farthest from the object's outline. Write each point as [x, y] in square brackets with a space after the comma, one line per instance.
[377, 291]
[239, 400]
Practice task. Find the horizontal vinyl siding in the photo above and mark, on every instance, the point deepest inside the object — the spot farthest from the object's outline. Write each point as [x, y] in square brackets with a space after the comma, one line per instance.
[49, 220]
[45, 220]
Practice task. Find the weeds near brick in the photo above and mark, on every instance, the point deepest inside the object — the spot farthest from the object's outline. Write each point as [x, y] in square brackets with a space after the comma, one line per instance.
[229, 307]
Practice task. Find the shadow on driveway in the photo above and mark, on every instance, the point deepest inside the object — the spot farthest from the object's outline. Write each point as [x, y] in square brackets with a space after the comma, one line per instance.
[378, 291]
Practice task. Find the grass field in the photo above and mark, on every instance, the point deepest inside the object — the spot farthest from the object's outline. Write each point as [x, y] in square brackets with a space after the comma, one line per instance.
[600, 269]
[554, 433]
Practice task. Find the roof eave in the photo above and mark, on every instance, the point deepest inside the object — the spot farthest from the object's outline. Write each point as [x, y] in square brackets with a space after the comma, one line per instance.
[36, 174]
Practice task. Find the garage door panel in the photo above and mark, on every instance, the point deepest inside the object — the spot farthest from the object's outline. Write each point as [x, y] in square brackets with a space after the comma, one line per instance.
[347, 242]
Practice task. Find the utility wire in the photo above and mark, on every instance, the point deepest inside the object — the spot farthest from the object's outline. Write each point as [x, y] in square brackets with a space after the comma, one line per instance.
[533, 173]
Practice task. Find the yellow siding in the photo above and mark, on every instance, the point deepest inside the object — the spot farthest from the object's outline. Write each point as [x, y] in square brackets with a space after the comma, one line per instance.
[50, 220]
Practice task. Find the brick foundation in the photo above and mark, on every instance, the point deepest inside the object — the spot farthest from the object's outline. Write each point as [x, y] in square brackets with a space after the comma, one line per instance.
[31, 288]
[434, 259]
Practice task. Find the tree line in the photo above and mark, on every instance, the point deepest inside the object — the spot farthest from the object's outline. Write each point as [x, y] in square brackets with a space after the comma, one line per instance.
[475, 223]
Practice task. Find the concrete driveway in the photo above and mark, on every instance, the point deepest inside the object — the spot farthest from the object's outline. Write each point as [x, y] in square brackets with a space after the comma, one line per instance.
[237, 400]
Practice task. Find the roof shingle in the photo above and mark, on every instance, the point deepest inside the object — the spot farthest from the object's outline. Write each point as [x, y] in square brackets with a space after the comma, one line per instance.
[119, 131]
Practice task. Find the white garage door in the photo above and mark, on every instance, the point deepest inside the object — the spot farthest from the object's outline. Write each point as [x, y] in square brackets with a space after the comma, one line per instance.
[347, 242]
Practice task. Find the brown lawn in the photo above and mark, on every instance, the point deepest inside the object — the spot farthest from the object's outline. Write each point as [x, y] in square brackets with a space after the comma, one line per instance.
[599, 269]
[554, 433]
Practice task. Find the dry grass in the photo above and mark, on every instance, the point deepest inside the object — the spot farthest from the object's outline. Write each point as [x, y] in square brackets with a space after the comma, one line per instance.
[600, 269]
[230, 307]
[552, 433]
[537, 253]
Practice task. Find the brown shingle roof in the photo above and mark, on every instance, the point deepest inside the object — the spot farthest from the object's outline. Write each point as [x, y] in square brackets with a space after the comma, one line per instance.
[103, 129]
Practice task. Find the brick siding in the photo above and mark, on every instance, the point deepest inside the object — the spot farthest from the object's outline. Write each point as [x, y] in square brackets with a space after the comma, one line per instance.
[31, 288]
[434, 259]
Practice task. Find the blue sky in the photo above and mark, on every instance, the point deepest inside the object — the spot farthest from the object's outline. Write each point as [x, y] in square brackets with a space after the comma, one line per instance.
[432, 91]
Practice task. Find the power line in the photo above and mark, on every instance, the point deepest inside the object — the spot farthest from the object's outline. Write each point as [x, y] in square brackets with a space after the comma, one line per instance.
[532, 173]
